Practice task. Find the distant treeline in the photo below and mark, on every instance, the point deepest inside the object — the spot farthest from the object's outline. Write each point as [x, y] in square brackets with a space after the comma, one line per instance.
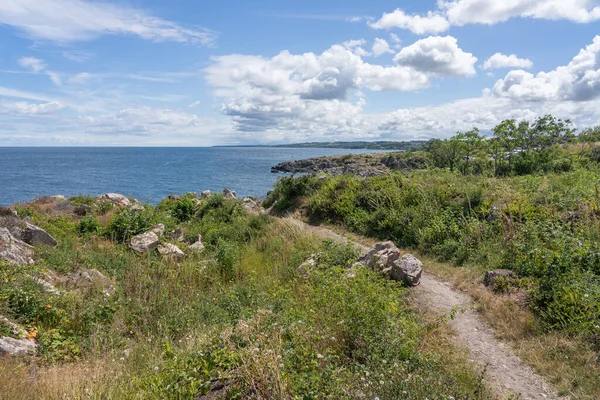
[382, 145]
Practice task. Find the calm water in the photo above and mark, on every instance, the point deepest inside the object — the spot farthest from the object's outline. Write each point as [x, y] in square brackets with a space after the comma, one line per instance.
[148, 174]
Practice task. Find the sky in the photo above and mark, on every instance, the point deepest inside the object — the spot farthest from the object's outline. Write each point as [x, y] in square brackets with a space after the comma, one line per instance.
[203, 73]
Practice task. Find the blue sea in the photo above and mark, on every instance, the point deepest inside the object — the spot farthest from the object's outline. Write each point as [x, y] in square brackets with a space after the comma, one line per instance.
[146, 173]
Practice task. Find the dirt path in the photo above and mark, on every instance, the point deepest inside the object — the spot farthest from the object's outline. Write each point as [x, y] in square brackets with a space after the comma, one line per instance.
[505, 373]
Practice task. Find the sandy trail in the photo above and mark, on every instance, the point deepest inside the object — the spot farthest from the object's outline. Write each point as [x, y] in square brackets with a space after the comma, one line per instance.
[505, 373]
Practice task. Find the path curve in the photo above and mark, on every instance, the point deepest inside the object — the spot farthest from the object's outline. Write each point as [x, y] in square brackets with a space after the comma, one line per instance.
[505, 373]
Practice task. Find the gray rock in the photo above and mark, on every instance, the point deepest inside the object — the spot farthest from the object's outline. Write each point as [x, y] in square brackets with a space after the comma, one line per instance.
[229, 194]
[170, 251]
[305, 268]
[198, 245]
[177, 235]
[144, 242]
[10, 345]
[249, 204]
[385, 258]
[158, 229]
[115, 198]
[35, 236]
[408, 270]
[205, 194]
[46, 286]
[14, 250]
[491, 276]
[86, 279]
[16, 329]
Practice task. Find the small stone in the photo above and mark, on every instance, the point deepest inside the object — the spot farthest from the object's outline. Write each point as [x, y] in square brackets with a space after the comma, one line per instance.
[158, 229]
[229, 194]
[198, 245]
[177, 235]
[170, 251]
[205, 194]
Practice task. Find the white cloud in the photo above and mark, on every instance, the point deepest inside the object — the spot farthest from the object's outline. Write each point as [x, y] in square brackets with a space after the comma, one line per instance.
[577, 81]
[79, 20]
[21, 94]
[29, 109]
[34, 64]
[462, 12]
[432, 22]
[437, 55]
[500, 60]
[381, 46]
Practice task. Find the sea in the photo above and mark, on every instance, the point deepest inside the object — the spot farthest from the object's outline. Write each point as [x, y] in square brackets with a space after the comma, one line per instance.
[148, 174]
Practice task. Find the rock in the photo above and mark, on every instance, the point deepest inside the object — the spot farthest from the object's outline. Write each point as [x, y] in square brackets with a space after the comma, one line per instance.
[9, 345]
[144, 242]
[158, 229]
[170, 251]
[16, 329]
[115, 198]
[491, 276]
[205, 194]
[14, 250]
[307, 265]
[249, 204]
[229, 194]
[385, 258]
[86, 279]
[46, 286]
[177, 235]
[408, 269]
[198, 245]
[34, 235]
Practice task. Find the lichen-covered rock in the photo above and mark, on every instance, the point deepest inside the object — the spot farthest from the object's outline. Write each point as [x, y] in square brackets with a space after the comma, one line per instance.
[386, 258]
[115, 198]
[170, 251]
[14, 250]
[491, 276]
[87, 279]
[10, 345]
[144, 242]
[408, 269]
[35, 236]
[198, 245]
[158, 229]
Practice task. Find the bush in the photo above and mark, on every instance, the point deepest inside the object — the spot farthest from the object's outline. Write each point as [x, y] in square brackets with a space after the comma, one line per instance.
[88, 225]
[183, 209]
[127, 223]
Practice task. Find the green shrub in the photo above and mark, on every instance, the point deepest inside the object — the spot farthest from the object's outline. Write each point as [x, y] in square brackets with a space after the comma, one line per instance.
[127, 223]
[88, 225]
[82, 199]
[183, 209]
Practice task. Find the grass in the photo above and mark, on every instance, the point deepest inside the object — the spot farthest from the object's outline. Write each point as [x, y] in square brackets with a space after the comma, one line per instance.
[237, 314]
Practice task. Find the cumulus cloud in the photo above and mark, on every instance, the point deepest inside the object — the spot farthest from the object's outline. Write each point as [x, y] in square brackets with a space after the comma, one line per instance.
[381, 46]
[462, 12]
[500, 60]
[437, 55]
[432, 22]
[577, 81]
[79, 20]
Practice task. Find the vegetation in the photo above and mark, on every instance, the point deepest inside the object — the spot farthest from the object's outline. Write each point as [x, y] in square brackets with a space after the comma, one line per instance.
[238, 315]
[526, 199]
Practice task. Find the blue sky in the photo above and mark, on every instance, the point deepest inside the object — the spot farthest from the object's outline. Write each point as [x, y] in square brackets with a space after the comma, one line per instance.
[198, 73]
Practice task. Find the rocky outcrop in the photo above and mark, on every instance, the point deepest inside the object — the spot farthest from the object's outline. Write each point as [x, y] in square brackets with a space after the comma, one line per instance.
[229, 194]
[491, 276]
[385, 258]
[35, 236]
[170, 251]
[14, 250]
[205, 194]
[86, 279]
[13, 346]
[144, 242]
[249, 204]
[198, 246]
[115, 198]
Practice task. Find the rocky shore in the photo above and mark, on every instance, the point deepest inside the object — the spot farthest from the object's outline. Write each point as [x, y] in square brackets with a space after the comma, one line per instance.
[364, 165]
